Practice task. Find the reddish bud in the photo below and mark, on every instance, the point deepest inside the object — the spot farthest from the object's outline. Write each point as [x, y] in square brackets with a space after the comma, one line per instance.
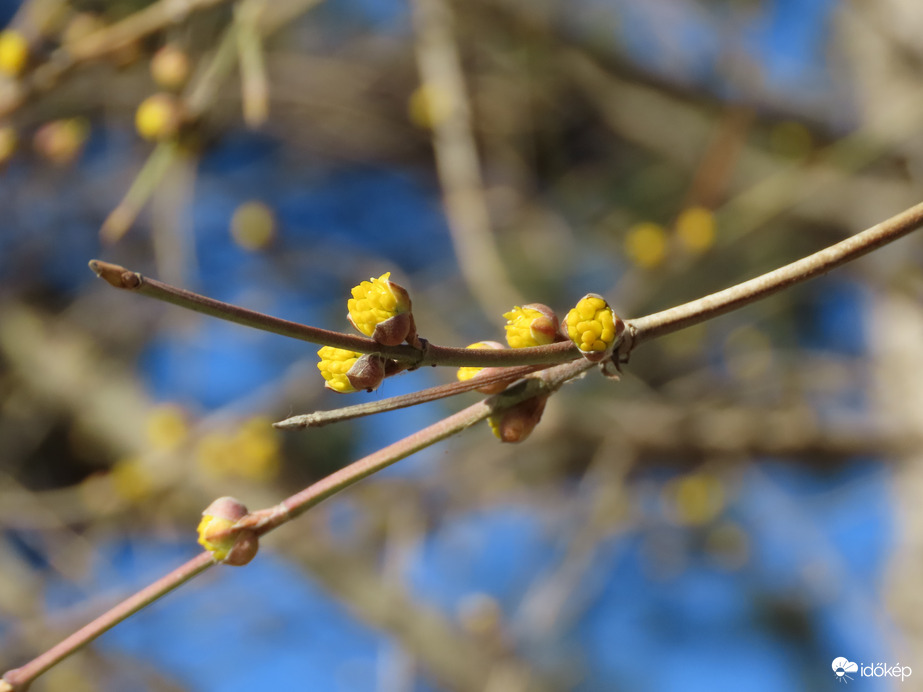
[367, 372]
[516, 423]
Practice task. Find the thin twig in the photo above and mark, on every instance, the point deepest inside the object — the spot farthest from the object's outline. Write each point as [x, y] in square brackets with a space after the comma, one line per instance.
[544, 383]
[703, 309]
[489, 376]
[19, 678]
[119, 277]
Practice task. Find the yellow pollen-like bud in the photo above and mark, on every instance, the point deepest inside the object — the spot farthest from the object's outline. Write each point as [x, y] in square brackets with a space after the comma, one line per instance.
[333, 366]
[593, 327]
[376, 301]
[530, 325]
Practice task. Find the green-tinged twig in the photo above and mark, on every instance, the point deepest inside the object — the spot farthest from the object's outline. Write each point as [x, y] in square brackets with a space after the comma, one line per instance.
[696, 311]
[20, 678]
[486, 377]
[120, 277]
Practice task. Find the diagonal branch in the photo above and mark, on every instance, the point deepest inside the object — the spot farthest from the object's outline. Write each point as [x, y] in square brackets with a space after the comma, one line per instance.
[703, 309]
[488, 376]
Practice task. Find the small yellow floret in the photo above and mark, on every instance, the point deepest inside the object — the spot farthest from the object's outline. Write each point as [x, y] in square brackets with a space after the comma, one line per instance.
[375, 301]
[208, 528]
[520, 331]
[14, 52]
[466, 373]
[591, 324]
[333, 366]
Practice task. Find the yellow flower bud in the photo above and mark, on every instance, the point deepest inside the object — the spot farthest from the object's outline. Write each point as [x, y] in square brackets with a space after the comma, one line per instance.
[215, 535]
[381, 309]
[530, 325]
[594, 327]
[466, 373]
[334, 364]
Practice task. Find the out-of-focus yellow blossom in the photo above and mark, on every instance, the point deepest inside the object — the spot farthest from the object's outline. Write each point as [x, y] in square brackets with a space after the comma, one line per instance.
[166, 427]
[646, 244]
[429, 106]
[131, 480]
[694, 499]
[252, 451]
[14, 52]
[333, 366]
[530, 325]
[593, 326]
[158, 117]
[375, 301]
[253, 225]
[695, 228]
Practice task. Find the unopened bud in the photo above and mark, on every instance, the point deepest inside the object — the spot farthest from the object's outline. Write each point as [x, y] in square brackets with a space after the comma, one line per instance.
[534, 324]
[381, 309]
[466, 373]
[394, 330]
[367, 372]
[516, 423]
[230, 547]
[593, 327]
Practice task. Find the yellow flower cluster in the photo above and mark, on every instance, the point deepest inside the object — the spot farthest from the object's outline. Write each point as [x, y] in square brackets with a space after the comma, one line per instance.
[375, 301]
[333, 366]
[592, 325]
[526, 326]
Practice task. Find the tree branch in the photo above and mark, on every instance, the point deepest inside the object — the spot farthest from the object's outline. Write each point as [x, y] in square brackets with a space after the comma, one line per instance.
[20, 678]
[119, 277]
[682, 316]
